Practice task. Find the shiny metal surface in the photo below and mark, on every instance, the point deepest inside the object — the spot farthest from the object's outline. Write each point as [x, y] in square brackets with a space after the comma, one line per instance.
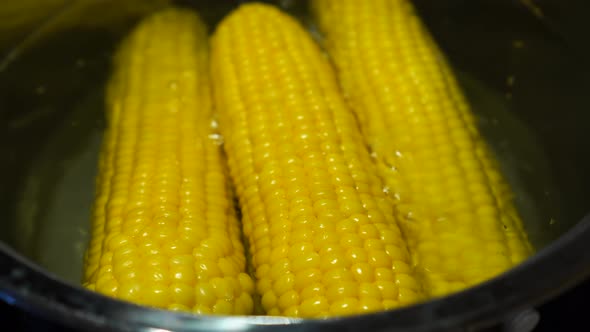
[525, 321]
[525, 68]
[561, 265]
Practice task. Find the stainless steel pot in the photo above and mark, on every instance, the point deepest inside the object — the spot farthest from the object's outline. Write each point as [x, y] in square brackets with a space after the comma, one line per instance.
[523, 64]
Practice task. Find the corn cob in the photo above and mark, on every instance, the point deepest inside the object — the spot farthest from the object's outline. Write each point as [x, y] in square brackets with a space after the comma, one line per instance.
[455, 208]
[164, 230]
[320, 229]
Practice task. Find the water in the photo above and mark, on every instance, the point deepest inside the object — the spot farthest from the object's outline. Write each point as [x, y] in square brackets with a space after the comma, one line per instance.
[59, 190]
[53, 213]
[521, 157]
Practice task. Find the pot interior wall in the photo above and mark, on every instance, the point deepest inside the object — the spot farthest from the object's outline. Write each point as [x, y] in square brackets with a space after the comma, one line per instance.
[524, 78]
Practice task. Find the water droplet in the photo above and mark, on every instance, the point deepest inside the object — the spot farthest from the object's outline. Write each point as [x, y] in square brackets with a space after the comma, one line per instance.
[217, 138]
[552, 221]
[173, 85]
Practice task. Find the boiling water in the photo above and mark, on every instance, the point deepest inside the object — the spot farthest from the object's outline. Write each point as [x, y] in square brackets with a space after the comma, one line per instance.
[56, 198]
[59, 192]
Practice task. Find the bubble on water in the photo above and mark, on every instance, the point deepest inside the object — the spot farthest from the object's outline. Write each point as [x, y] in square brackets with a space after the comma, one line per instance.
[217, 138]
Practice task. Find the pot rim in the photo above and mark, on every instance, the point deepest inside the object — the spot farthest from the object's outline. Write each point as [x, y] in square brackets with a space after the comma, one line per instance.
[555, 268]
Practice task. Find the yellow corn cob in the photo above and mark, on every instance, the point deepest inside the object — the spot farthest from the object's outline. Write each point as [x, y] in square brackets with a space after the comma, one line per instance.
[455, 208]
[320, 229]
[164, 229]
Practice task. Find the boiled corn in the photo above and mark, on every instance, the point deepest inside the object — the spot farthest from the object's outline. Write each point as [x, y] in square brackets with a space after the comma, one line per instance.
[320, 229]
[164, 230]
[456, 210]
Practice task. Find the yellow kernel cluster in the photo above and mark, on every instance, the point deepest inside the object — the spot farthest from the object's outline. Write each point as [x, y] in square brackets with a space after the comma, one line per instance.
[321, 232]
[338, 218]
[164, 229]
[454, 206]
